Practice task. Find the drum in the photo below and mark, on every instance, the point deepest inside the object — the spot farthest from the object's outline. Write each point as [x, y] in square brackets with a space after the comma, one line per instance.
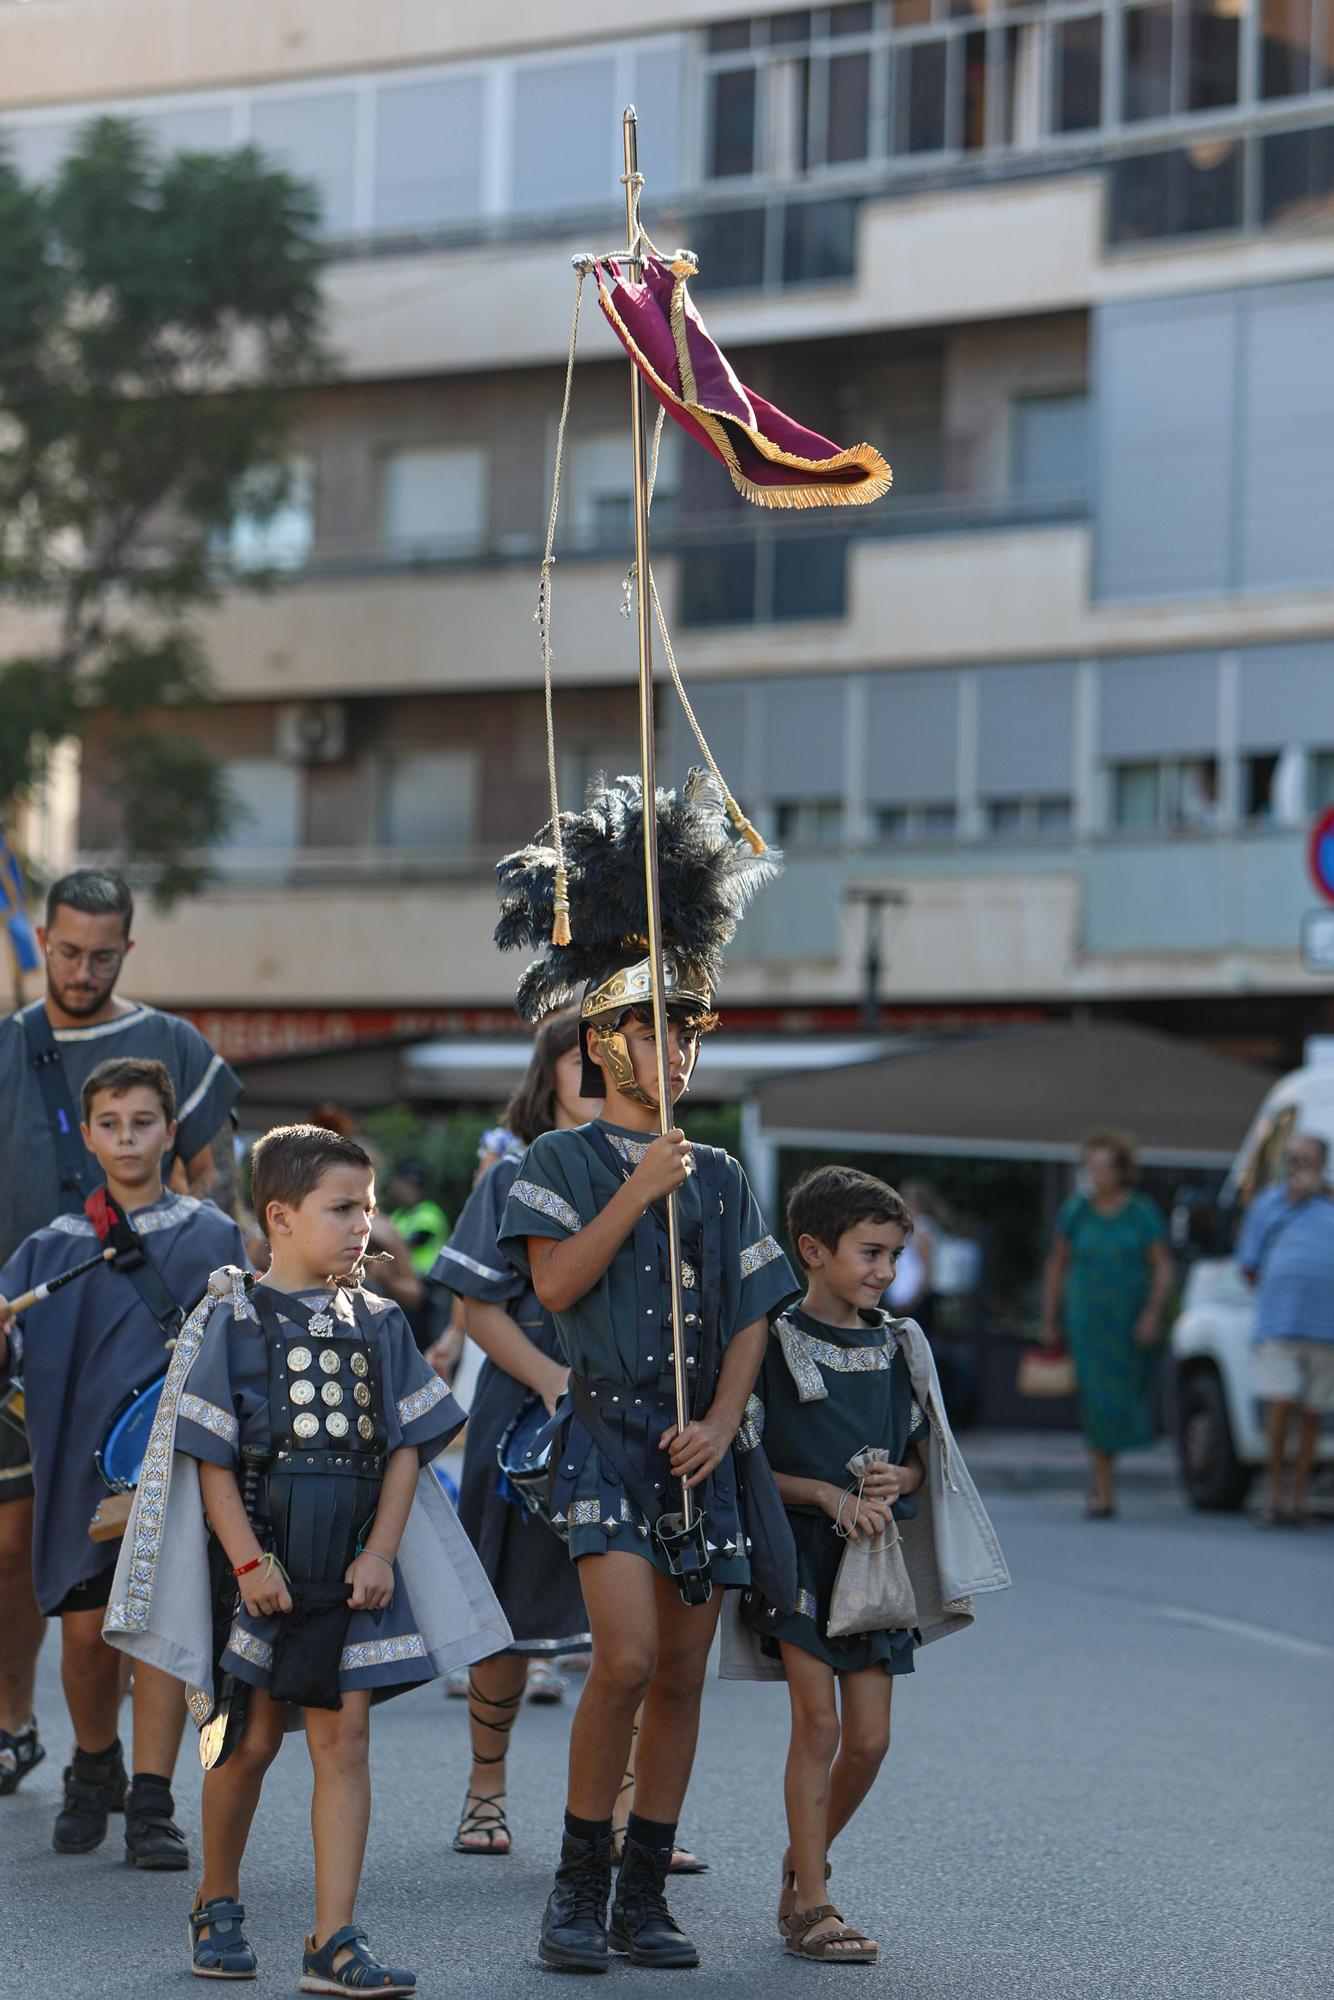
[524, 1457]
[120, 1459]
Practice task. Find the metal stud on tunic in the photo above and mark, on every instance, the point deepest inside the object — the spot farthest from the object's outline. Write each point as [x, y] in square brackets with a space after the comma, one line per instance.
[336, 1424]
[306, 1426]
[360, 1365]
[331, 1393]
[363, 1395]
[298, 1358]
[365, 1427]
[329, 1361]
[303, 1392]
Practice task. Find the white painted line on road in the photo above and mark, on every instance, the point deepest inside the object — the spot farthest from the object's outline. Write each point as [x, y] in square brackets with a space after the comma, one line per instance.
[1237, 1628]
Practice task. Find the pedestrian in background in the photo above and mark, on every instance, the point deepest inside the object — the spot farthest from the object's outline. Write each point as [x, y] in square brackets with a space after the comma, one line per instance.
[1286, 1250]
[1104, 1287]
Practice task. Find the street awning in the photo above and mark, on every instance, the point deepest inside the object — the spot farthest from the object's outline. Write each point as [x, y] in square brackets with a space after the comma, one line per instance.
[1027, 1094]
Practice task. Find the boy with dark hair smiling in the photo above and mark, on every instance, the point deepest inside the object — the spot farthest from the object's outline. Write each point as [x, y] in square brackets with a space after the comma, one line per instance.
[299, 1419]
[93, 1339]
[841, 1379]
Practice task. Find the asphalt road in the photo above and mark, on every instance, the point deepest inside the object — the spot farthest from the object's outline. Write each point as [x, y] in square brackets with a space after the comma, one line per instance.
[1119, 1785]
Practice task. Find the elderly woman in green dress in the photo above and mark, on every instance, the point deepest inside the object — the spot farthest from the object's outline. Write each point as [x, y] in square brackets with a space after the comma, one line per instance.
[1104, 1288]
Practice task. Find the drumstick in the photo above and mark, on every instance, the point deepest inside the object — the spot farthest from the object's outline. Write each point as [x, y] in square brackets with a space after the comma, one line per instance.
[44, 1291]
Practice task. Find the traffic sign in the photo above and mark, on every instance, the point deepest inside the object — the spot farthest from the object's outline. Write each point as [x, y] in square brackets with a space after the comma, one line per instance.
[1318, 941]
[1320, 854]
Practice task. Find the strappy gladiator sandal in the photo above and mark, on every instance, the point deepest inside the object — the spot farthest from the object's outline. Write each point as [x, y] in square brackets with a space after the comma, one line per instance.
[483, 1826]
[225, 1953]
[360, 1972]
[842, 1946]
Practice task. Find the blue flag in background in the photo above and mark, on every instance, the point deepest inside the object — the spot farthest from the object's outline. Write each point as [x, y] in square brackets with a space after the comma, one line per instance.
[14, 911]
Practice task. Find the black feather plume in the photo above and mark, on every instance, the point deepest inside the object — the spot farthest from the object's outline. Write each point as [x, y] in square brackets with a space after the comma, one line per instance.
[706, 877]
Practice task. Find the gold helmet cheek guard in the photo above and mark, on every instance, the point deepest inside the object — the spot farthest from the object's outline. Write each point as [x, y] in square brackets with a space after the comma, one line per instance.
[610, 999]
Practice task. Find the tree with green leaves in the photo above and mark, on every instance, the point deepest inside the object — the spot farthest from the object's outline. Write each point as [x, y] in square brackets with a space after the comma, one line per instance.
[159, 319]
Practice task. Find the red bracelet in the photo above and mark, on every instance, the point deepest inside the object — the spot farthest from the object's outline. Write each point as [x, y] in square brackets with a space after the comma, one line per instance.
[244, 1569]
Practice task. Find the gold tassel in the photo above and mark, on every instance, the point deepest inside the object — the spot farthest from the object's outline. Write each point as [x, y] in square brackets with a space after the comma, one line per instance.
[560, 930]
[755, 841]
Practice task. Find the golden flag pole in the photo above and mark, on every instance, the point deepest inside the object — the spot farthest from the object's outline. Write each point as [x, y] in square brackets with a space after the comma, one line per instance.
[644, 596]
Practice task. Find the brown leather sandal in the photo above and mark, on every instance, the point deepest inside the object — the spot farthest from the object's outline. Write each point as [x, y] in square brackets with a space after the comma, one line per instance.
[787, 1900]
[844, 1946]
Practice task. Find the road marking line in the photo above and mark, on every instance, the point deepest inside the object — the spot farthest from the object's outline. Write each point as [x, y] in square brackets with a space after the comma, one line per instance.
[1238, 1629]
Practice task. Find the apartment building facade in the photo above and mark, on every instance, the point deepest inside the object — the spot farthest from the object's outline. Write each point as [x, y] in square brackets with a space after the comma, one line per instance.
[1065, 698]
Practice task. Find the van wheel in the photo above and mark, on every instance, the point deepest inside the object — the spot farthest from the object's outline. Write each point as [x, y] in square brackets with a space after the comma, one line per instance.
[1211, 1472]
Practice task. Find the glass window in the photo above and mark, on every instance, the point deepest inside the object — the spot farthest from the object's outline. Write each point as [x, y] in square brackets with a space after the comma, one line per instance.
[267, 793]
[428, 153]
[1005, 816]
[729, 243]
[1135, 796]
[731, 123]
[1021, 86]
[848, 132]
[1077, 74]
[1055, 815]
[1029, 818]
[1183, 193]
[851, 20]
[936, 821]
[792, 27]
[1213, 46]
[892, 823]
[939, 822]
[433, 500]
[919, 122]
[1297, 176]
[1049, 440]
[1322, 780]
[809, 822]
[1146, 55]
[729, 35]
[972, 71]
[601, 487]
[910, 13]
[1285, 32]
[819, 241]
[426, 800]
[809, 577]
[263, 536]
[201, 129]
[562, 150]
[1258, 775]
[313, 136]
[787, 124]
[718, 583]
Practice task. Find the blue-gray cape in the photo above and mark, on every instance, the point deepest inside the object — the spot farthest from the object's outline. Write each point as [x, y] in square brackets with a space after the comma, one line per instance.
[84, 1351]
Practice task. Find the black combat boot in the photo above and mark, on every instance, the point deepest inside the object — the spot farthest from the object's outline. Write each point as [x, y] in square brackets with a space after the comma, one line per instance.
[152, 1837]
[642, 1926]
[574, 1923]
[94, 1787]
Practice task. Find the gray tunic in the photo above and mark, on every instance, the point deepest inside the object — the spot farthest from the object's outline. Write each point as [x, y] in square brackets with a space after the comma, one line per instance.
[85, 1350]
[206, 1090]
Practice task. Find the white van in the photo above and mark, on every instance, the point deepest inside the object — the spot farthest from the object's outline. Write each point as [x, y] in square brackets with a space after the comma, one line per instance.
[1219, 1412]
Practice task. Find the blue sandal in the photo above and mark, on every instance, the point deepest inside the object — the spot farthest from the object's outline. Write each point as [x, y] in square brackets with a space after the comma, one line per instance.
[358, 1974]
[224, 1953]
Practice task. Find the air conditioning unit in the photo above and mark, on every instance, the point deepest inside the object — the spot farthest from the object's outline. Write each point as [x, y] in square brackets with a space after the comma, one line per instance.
[311, 732]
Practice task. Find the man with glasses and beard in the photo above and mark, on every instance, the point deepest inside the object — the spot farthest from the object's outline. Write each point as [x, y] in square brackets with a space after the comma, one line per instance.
[47, 1049]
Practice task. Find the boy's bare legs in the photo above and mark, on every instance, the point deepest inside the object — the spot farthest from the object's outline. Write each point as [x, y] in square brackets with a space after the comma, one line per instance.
[23, 1626]
[812, 1751]
[622, 1608]
[231, 1794]
[159, 1718]
[665, 1752]
[340, 1810]
[1276, 1427]
[90, 1677]
[495, 1692]
[866, 1700]
[1307, 1439]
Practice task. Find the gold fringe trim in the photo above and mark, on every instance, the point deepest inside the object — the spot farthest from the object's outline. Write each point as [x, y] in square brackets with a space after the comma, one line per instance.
[879, 475]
